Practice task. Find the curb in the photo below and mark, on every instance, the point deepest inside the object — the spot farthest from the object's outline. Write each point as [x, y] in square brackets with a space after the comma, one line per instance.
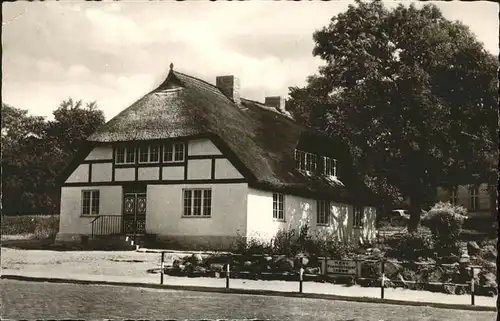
[253, 292]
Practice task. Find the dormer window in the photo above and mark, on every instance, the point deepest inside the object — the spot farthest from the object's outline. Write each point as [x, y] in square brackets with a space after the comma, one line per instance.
[305, 161]
[329, 166]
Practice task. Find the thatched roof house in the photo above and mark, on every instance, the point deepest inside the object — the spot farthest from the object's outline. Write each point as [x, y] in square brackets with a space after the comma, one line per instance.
[259, 141]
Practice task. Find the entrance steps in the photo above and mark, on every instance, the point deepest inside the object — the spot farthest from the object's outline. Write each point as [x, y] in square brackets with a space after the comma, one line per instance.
[114, 242]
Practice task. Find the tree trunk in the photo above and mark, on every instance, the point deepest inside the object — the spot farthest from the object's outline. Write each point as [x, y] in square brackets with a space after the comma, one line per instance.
[415, 210]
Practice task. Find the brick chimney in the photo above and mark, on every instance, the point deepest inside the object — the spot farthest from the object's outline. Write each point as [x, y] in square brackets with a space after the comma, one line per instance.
[277, 102]
[230, 86]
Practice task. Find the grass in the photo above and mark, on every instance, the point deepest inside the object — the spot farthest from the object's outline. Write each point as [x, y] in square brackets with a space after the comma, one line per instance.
[29, 227]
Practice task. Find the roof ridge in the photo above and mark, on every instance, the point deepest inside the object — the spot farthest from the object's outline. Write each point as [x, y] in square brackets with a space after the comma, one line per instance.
[198, 79]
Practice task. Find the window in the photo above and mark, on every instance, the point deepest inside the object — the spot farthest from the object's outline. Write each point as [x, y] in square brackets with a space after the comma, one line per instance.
[358, 217]
[197, 202]
[305, 161]
[90, 202]
[329, 166]
[453, 196]
[323, 213]
[474, 197]
[125, 155]
[278, 206]
[174, 153]
[149, 154]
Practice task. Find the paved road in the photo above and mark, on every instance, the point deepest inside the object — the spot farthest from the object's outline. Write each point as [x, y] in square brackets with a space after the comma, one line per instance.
[30, 300]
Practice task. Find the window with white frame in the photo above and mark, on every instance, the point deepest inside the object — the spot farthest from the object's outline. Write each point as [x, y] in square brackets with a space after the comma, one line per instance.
[323, 213]
[90, 202]
[125, 155]
[173, 153]
[197, 202]
[358, 217]
[474, 197]
[329, 166]
[278, 206]
[453, 196]
[306, 161]
[149, 154]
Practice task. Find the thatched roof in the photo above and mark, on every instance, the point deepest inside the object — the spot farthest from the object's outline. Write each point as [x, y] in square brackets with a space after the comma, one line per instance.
[261, 138]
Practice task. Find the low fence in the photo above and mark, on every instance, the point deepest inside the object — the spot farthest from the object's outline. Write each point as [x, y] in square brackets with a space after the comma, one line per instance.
[331, 269]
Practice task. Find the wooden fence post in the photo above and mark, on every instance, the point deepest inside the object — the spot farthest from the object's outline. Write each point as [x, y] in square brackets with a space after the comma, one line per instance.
[228, 271]
[301, 275]
[472, 299]
[382, 280]
[162, 266]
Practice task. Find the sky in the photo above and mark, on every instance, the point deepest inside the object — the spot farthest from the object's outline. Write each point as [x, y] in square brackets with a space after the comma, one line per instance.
[115, 52]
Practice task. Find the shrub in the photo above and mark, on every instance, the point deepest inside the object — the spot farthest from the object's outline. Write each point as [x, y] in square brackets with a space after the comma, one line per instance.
[250, 245]
[445, 222]
[42, 226]
[326, 243]
[411, 246]
[285, 242]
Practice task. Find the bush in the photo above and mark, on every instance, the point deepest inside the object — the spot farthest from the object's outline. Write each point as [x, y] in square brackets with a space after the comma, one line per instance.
[326, 243]
[412, 246]
[285, 242]
[250, 246]
[42, 226]
[445, 222]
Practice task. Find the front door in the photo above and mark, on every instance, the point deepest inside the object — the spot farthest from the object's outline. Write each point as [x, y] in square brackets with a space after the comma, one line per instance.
[134, 213]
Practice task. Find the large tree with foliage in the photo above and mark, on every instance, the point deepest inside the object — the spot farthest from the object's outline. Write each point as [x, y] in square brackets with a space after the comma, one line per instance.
[35, 151]
[414, 95]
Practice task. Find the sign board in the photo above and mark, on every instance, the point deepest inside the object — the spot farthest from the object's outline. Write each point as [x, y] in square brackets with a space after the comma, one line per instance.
[339, 267]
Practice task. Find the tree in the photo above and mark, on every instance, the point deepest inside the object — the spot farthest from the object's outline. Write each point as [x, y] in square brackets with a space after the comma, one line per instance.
[412, 93]
[35, 152]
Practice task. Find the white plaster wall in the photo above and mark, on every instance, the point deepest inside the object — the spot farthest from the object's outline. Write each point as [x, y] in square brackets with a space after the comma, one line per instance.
[71, 220]
[173, 172]
[148, 173]
[199, 169]
[102, 172]
[298, 211]
[165, 209]
[100, 152]
[224, 169]
[79, 175]
[124, 174]
[202, 147]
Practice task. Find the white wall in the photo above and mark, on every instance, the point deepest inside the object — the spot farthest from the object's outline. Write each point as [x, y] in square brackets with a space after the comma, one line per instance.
[173, 172]
[102, 172]
[71, 220]
[165, 209]
[79, 175]
[199, 169]
[224, 169]
[148, 173]
[202, 147]
[100, 152]
[299, 211]
[124, 174]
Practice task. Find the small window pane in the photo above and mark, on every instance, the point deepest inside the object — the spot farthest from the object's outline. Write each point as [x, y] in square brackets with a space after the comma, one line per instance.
[179, 152]
[154, 153]
[187, 202]
[130, 155]
[197, 202]
[207, 202]
[120, 155]
[168, 153]
[143, 154]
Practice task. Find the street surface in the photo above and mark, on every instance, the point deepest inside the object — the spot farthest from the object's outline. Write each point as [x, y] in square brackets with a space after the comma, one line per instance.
[35, 300]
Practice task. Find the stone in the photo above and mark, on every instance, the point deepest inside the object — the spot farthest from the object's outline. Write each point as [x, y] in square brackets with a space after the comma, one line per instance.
[391, 269]
[196, 259]
[489, 252]
[313, 270]
[284, 264]
[473, 248]
[216, 267]
[177, 263]
[199, 269]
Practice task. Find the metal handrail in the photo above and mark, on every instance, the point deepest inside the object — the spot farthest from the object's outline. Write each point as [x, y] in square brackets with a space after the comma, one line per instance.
[106, 225]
